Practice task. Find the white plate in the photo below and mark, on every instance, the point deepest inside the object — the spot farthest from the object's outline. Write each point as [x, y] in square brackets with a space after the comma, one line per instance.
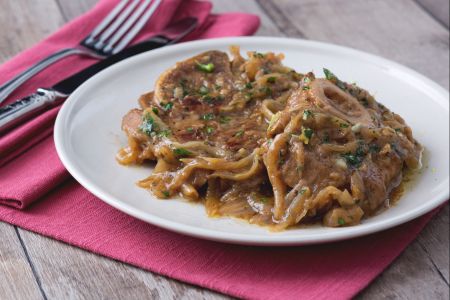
[88, 135]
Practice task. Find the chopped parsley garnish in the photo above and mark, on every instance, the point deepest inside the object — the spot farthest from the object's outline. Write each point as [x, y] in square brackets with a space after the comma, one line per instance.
[308, 132]
[181, 152]
[307, 114]
[155, 110]
[271, 79]
[207, 68]
[166, 194]
[248, 86]
[208, 116]
[344, 125]
[239, 133]
[248, 96]
[273, 120]
[331, 77]
[398, 129]
[374, 148]
[165, 133]
[364, 102]
[303, 191]
[224, 119]
[190, 129]
[266, 90]
[208, 99]
[355, 160]
[168, 106]
[306, 135]
[209, 129]
[263, 199]
[203, 90]
[258, 55]
[183, 84]
[148, 124]
[326, 138]
[306, 80]
[341, 221]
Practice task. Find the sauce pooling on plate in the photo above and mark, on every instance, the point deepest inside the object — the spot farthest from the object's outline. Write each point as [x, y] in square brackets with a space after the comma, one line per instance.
[254, 139]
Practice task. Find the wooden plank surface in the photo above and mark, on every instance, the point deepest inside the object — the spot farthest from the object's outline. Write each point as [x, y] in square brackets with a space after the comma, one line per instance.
[16, 275]
[437, 9]
[67, 272]
[412, 32]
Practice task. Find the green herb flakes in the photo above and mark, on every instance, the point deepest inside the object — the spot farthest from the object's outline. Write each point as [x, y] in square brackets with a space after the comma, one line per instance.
[203, 90]
[208, 116]
[326, 138]
[271, 79]
[168, 106]
[258, 55]
[164, 133]
[303, 191]
[207, 68]
[330, 76]
[263, 199]
[308, 132]
[307, 114]
[181, 152]
[148, 124]
[353, 160]
[266, 90]
[209, 129]
[341, 221]
[306, 135]
[224, 119]
[374, 148]
[364, 102]
[239, 133]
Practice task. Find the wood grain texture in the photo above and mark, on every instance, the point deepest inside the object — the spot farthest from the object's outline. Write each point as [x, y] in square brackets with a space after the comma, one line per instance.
[267, 28]
[399, 30]
[67, 272]
[71, 9]
[438, 9]
[16, 275]
[23, 25]
[408, 31]
[421, 271]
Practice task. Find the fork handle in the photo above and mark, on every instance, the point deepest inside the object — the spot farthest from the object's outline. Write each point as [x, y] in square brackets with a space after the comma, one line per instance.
[14, 113]
[7, 88]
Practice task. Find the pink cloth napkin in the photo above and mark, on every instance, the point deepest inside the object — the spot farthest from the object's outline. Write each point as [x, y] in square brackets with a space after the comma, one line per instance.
[51, 203]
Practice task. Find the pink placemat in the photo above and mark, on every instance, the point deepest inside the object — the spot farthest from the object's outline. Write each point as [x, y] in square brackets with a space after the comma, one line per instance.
[39, 195]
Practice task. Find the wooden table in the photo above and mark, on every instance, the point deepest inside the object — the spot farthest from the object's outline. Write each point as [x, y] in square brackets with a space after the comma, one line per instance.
[412, 32]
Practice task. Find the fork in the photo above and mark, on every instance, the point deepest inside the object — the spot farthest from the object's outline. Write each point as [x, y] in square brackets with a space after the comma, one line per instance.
[110, 36]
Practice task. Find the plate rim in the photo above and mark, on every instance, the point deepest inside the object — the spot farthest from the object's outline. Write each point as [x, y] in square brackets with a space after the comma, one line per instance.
[439, 95]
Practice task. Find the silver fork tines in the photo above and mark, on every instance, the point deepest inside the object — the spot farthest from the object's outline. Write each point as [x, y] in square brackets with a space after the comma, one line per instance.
[105, 22]
[104, 39]
[110, 36]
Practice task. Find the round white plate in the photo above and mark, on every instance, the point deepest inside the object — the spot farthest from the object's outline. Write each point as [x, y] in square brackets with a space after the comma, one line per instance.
[88, 136]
